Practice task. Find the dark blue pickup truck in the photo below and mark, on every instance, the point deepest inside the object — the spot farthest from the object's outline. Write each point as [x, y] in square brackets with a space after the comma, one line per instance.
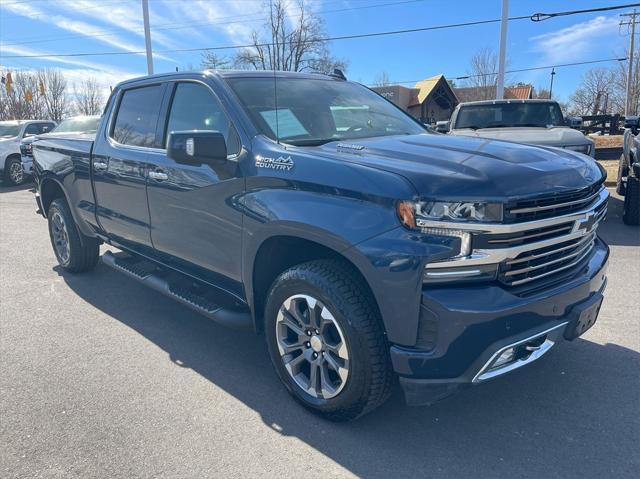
[313, 211]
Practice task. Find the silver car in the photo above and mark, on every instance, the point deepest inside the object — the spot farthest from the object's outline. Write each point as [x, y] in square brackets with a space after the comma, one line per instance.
[535, 122]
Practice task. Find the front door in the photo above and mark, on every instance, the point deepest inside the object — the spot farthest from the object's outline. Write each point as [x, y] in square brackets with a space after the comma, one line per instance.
[120, 166]
[194, 221]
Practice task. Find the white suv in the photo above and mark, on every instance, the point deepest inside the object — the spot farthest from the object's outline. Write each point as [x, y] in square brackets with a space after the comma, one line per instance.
[11, 133]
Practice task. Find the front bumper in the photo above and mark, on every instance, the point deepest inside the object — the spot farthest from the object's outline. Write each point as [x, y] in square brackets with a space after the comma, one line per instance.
[475, 322]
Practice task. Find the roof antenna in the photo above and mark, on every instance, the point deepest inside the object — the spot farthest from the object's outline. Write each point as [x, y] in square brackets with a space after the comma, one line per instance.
[273, 66]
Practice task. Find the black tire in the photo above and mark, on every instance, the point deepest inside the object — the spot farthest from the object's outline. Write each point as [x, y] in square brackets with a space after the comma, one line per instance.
[369, 379]
[81, 252]
[623, 171]
[13, 174]
[631, 213]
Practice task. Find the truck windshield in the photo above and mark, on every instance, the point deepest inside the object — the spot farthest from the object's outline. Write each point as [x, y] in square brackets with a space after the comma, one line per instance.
[505, 115]
[79, 125]
[9, 130]
[312, 112]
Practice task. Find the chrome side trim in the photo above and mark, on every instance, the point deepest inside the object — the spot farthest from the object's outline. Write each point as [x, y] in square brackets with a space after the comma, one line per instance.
[486, 373]
[500, 228]
[554, 206]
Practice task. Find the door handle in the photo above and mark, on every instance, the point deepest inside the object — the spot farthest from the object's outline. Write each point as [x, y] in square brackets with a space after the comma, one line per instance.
[158, 175]
[100, 165]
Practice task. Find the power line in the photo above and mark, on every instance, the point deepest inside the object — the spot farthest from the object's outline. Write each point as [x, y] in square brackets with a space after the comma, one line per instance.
[317, 40]
[539, 17]
[519, 70]
[190, 25]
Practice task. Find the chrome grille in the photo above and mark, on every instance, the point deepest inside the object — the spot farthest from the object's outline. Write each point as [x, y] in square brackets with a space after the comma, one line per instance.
[529, 255]
[552, 205]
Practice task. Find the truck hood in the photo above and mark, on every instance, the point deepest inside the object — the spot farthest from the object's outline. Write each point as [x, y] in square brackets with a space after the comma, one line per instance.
[458, 167]
[556, 136]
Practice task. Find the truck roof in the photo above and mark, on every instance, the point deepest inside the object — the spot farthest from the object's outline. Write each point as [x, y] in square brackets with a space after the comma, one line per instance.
[232, 74]
[500, 102]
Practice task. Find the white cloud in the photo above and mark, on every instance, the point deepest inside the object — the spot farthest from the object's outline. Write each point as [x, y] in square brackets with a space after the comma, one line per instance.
[75, 26]
[576, 42]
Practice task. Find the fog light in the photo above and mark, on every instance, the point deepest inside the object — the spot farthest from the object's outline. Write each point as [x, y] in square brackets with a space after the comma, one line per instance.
[507, 356]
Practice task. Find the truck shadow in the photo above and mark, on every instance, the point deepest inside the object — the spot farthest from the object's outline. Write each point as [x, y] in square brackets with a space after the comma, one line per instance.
[7, 188]
[567, 413]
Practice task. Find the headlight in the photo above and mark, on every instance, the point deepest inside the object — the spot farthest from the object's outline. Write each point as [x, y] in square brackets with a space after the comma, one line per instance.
[419, 214]
[585, 149]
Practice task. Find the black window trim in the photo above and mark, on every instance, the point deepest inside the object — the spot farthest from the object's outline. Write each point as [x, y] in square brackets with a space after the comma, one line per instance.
[171, 91]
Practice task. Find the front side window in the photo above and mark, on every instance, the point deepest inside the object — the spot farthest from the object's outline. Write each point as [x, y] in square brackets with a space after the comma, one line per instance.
[194, 108]
[137, 117]
[316, 111]
[505, 115]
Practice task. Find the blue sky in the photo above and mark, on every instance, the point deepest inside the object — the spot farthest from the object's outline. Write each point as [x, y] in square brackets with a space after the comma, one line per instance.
[36, 27]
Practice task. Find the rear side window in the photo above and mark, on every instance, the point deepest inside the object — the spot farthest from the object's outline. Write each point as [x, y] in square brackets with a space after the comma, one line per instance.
[137, 117]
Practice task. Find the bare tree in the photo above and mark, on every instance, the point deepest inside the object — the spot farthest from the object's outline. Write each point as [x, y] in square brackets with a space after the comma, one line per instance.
[22, 100]
[482, 74]
[618, 97]
[382, 79]
[88, 98]
[56, 100]
[595, 93]
[541, 93]
[210, 60]
[289, 42]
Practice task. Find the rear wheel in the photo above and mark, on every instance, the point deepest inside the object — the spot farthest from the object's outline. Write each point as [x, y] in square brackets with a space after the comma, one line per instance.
[326, 340]
[631, 214]
[13, 173]
[74, 251]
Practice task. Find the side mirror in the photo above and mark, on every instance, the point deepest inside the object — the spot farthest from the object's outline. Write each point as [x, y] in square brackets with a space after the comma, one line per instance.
[196, 147]
[574, 121]
[442, 127]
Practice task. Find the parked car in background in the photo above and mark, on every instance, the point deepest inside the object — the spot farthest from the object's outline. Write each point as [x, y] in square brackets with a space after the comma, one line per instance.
[534, 122]
[72, 125]
[628, 181]
[362, 246]
[11, 134]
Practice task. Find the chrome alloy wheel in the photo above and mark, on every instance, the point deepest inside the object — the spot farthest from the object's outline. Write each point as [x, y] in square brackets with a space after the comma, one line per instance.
[312, 346]
[60, 237]
[15, 172]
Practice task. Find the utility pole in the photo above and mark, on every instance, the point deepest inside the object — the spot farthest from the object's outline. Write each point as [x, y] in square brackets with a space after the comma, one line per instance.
[147, 35]
[628, 106]
[503, 49]
[553, 74]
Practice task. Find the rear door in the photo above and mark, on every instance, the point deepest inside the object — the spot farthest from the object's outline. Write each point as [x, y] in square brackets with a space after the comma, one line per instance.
[120, 160]
[195, 222]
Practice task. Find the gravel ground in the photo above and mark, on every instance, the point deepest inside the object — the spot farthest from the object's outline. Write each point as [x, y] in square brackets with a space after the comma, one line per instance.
[100, 377]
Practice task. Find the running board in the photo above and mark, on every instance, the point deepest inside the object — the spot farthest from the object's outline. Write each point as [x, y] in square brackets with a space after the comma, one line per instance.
[185, 292]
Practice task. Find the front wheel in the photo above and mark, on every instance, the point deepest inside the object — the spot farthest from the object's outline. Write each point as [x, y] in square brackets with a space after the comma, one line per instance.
[326, 340]
[74, 251]
[13, 173]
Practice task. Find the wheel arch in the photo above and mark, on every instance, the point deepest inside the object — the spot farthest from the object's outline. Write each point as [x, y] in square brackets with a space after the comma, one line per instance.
[276, 253]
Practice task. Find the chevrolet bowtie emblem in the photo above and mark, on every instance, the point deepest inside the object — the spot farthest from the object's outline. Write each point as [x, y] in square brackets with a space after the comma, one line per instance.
[588, 223]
